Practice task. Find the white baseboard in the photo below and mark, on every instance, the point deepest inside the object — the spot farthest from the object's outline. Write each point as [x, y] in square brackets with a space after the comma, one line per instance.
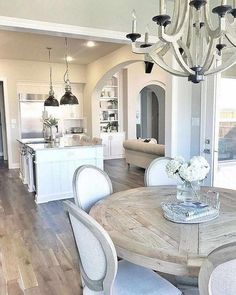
[14, 165]
[53, 197]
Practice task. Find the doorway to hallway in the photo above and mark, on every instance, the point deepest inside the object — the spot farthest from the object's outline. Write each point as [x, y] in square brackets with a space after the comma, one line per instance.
[3, 134]
[150, 113]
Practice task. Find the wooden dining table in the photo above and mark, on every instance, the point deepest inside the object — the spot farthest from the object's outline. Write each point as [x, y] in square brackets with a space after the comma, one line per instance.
[141, 234]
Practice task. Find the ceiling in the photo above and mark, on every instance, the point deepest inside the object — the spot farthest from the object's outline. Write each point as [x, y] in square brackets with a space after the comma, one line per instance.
[29, 46]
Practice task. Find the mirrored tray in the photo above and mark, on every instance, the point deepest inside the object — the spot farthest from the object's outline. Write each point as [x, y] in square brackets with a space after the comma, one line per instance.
[176, 219]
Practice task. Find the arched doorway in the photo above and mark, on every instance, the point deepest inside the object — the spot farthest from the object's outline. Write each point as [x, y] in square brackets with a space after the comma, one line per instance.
[150, 113]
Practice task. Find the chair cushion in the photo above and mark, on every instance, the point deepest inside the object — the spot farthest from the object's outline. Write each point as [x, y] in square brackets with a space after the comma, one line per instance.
[222, 279]
[132, 279]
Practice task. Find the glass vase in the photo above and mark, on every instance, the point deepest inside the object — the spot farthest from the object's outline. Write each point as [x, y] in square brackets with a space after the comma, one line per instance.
[188, 191]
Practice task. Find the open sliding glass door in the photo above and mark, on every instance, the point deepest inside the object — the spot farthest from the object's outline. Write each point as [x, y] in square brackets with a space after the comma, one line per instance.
[218, 131]
[209, 124]
[226, 133]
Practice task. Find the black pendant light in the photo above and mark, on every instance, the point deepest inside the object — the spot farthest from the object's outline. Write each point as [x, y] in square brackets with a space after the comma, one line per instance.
[51, 101]
[68, 97]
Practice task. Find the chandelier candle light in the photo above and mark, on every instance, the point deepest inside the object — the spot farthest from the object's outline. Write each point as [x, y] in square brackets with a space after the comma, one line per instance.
[197, 46]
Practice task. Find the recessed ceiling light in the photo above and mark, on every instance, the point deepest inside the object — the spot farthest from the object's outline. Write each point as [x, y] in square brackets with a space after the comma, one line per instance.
[69, 58]
[91, 44]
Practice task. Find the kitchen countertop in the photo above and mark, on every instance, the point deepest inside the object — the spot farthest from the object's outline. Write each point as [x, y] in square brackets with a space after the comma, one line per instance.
[31, 140]
[53, 146]
[37, 144]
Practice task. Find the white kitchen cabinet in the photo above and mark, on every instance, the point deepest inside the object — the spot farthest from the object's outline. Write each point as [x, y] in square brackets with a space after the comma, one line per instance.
[55, 167]
[49, 168]
[113, 145]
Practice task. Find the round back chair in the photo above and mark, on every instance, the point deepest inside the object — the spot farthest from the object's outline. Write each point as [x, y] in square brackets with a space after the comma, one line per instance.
[90, 184]
[97, 254]
[155, 174]
[218, 272]
[100, 271]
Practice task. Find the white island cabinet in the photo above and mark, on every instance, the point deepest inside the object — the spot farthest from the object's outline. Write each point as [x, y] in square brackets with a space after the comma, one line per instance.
[54, 168]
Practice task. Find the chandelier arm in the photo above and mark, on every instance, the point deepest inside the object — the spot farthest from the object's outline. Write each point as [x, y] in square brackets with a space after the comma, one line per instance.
[161, 63]
[220, 30]
[180, 59]
[173, 38]
[230, 62]
[190, 30]
[205, 42]
[212, 63]
[210, 52]
[171, 29]
[229, 50]
[209, 27]
[164, 50]
[230, 35]
[186, 52]
[144, 50]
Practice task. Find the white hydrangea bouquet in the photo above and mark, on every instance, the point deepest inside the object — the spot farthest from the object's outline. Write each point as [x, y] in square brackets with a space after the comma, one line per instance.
[190, 172]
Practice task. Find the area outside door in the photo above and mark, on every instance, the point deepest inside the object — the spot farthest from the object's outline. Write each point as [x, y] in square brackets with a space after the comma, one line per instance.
[218, 132]
[225, 133]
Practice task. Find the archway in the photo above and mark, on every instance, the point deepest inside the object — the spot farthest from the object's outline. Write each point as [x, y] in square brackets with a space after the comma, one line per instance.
[150, 113]
[132, 91]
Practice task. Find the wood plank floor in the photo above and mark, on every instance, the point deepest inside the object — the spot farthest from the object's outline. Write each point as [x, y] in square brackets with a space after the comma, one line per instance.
[37, 251]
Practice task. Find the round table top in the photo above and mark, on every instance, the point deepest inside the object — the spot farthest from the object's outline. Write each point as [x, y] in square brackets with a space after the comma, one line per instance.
[135, 222]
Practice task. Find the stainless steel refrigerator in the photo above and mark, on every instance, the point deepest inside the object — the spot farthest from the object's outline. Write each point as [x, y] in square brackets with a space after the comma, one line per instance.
[31, 109]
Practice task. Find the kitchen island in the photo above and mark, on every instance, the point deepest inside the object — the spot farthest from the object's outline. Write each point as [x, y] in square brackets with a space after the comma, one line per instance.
[51, 167]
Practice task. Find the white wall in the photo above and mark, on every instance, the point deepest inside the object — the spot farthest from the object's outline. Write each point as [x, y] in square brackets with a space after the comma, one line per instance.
[98, 73]
[196, 118]
[177, 98]
[15, 72]
[105, 14]
[181, 117]
[177, 101]
[136, 81]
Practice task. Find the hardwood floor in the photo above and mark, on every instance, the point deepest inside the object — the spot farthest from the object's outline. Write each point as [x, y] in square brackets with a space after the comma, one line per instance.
[37, 251]
[122, 177]
[3, 164]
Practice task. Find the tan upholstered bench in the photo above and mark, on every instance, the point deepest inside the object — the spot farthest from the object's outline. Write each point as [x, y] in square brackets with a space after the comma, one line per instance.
[141, 153]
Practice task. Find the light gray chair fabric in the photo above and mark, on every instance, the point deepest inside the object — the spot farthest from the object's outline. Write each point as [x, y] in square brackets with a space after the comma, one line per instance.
[218, 272]
[96, 140]
[155, 174]
[101, 273]
[90, 184]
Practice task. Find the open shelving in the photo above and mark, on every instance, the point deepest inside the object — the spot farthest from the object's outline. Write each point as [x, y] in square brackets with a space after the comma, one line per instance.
[109, 106]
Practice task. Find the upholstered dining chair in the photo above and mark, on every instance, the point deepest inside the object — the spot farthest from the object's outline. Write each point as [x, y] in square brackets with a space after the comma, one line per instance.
[100, 271]
[155, 174]
[90, 184]
[218, 272]
[85, 138]
[96, 140]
